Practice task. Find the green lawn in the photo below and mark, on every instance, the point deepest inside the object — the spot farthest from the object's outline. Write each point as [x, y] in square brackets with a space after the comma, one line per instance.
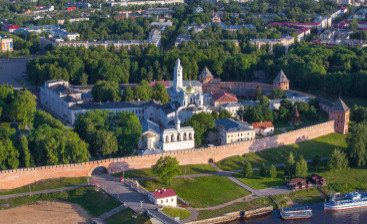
[303, 197]
[176, 212]
[322, 146]
[257, 182]
[126, 217]
[187, 169]
[5, 124]
[277, 132]
[202, 192]
[47, 184]
[94, 202]
[248, 205]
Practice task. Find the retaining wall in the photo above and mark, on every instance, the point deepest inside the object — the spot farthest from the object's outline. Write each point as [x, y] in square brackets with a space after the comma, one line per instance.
[19, 177]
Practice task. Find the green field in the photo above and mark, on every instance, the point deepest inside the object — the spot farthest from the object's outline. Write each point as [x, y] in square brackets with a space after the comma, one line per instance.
[126, 217]
[176, 212]
[202, 192]
[257, 182]
[322, 146]
[94, 202]
[47, 184]
[303, 197]
[187, 169]
[248, 205]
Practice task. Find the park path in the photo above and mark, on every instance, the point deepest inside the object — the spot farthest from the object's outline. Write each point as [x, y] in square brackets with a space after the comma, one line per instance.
[112, 212]
[41, 192]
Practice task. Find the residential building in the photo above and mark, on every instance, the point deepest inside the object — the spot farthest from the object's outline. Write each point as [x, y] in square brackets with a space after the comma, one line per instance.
[281, 81]
[163, 197]
[221, 98]
[265, 128]
[6, 43]
[159, 2]
[9, 28]
[72, 20]
[286, 41]
[231, 131]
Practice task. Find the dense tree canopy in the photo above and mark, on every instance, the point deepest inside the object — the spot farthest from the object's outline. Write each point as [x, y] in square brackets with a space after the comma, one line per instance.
[104, 91]
[166, 169]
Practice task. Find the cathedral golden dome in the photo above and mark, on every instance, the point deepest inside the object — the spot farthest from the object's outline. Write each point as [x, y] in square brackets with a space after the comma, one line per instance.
[190, 90]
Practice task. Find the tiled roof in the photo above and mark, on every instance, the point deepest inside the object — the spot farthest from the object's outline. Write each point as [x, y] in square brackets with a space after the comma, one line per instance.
[165, 193]
[262, 125]
[224, 97]
[63, 89]
[205, 74]
[113, 105]
[165, 83]
[281, 77]
[340, 106]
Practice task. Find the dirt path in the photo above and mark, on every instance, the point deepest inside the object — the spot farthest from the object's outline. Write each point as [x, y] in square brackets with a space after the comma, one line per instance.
[45, 212]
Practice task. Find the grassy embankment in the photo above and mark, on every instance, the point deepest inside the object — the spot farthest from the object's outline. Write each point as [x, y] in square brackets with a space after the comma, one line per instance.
[47, 184]
[126, 217]
[94, 202]
[202, 192]
[176, 212]
[248, 205]
[322, 146]
[185, 170]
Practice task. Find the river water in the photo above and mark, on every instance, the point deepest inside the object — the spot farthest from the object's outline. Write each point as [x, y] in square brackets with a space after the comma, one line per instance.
[319, 216]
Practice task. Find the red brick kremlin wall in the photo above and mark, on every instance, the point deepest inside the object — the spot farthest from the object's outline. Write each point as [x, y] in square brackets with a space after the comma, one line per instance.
[16, 178]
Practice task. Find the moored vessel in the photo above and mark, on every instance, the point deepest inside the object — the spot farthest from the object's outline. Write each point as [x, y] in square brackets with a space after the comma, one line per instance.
[296, 213]
[346, 201]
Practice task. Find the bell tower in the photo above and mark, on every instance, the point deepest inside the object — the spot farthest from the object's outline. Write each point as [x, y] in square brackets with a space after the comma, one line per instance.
[177, 79]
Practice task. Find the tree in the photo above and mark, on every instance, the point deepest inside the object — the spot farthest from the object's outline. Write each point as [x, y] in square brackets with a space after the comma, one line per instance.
[357, 143]
[247, 169]
[337, 161]
[264, 101]
[9, 156]
[202, 124]
[25, 155]
[166, 169]
[272, 171]
[104, 142]
[42, 117]
[160, 93]
[277, 93]
[104, 91]
[301, 169]
[258, 93]
[23, 107]
[263, 171]
[225, 114]
[289, 169]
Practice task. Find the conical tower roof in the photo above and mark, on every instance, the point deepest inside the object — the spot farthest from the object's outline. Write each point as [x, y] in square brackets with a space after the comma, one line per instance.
[281, 77]
[339, 106]
[205, 74]
[296, 113]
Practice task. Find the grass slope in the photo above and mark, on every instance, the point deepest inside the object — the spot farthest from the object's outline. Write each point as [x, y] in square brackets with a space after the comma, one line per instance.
[303, 197]
[47, 184]
[126, 217]
[187, 169]
[248, 205]
[94, 202]
[176, 212]
[322, 146]
[257, 182]
[202, 192]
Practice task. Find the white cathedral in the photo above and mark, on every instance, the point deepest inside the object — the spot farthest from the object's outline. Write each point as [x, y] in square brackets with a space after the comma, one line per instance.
[161, 124]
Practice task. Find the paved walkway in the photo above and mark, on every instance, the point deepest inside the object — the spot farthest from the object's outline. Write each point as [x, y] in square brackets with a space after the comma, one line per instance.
[112, 212]
[243, 199]
[41, 192]
[216, 167]
[194, 215]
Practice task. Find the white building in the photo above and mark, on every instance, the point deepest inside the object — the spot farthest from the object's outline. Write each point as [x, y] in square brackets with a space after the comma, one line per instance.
[163, 197]
[150, 135]
[231, 131]
[263, 128]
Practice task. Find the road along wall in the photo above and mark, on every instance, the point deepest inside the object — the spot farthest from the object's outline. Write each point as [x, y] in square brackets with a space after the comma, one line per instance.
[19, 177]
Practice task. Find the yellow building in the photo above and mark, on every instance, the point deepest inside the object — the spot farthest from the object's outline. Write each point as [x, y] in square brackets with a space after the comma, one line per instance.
[6, 43]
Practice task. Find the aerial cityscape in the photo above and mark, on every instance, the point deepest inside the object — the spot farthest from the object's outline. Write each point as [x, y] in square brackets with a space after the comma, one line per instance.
[183, 111]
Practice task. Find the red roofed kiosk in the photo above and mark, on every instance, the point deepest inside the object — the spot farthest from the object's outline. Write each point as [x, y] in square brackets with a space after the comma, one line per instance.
[163, 197]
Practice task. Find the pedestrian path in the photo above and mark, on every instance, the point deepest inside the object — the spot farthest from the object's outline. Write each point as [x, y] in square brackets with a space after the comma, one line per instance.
[40, 192]
[194, 215]
[111, 212]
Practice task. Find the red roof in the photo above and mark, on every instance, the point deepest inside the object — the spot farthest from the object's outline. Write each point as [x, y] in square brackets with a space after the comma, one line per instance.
[224, 97]
[263, 125]
[164, 193]
[343, 8]
[10, 26]
[165, 83]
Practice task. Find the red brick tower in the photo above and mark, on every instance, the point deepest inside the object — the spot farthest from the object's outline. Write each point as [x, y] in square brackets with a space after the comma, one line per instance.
[340, 114]
[281, 81]
[205, 76]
